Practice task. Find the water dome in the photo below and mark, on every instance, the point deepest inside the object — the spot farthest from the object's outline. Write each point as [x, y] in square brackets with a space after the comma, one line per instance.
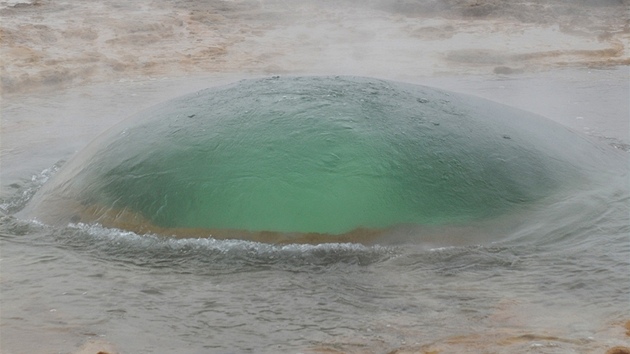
[313, 156]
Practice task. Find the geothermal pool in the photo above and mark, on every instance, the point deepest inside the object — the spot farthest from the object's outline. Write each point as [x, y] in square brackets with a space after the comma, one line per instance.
[315, 155]
[545, 272]
[548, 276]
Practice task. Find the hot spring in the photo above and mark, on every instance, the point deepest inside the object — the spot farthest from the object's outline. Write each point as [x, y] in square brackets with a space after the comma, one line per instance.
[299, 159]
[395, 217]
[152, 203]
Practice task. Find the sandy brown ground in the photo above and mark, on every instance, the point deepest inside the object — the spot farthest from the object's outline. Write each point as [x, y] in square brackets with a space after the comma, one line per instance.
[50, 44]
[507, 340]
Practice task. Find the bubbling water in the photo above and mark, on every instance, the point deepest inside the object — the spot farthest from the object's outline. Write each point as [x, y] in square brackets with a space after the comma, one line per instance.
[315, 156]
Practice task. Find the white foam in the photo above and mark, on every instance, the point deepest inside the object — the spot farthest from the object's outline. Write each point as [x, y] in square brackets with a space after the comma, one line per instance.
[18, 201]
[118, 235]
[12, 3]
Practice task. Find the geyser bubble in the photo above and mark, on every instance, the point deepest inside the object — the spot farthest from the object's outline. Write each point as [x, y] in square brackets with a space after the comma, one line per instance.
[313, 156]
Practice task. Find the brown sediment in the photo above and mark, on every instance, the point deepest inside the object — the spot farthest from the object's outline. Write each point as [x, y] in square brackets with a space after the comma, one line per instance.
[484, 342]
[606, 56]
[606, 53]
[44, 44]
[624, 325]
[413, 351]
[325, 351]
[517, 337]
[98, 347]
[538, 337]
[500, 341]
[129, 220]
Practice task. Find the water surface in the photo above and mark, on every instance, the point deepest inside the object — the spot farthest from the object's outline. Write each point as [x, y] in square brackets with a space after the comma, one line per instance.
[553, 280]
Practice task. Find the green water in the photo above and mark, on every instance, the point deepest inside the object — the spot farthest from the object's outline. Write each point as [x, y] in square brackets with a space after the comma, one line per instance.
[320, 154]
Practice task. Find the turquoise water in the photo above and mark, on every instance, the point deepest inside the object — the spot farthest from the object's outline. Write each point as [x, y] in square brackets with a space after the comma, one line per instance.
[319, 155]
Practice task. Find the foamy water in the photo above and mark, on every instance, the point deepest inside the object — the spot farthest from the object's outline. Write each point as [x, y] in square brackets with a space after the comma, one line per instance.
[555, 283]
